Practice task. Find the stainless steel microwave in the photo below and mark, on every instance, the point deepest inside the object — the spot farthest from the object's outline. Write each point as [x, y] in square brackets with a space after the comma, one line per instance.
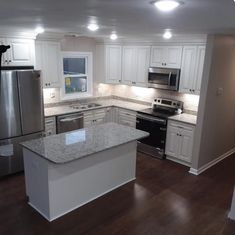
[167, 79]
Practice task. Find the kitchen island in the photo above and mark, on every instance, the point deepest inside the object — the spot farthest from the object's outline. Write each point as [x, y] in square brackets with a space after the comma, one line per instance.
[66, 171]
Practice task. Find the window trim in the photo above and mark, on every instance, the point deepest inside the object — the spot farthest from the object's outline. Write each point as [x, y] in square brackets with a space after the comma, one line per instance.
[89, 75]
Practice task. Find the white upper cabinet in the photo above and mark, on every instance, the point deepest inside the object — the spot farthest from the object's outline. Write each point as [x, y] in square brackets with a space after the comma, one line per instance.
[113, 64]
[199, 69]
[129, 65]
[48, 60]
[166, 56]
[21, 53]
[135, 64]
[143, 60]
[192, 69]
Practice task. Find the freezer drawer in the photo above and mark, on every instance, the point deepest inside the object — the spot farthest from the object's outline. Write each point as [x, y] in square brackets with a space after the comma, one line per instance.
[11, 157]
[9, 106]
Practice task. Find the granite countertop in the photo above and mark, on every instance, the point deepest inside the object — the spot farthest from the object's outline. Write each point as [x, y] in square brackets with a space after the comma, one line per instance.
[67, 109]
[77, 144]
[186, 118]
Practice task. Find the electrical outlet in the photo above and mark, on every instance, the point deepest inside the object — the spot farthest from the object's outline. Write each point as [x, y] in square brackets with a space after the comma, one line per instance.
[52, 95]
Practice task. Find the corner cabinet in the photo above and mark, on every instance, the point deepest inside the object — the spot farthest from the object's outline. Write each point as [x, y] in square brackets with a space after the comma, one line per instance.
[179, 142]
[48, 60]
[21, 53]
[135, 64]
[166, 56]
[192, 69]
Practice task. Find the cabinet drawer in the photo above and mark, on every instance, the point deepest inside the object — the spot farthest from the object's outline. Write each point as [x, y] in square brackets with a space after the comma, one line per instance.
[181, 125]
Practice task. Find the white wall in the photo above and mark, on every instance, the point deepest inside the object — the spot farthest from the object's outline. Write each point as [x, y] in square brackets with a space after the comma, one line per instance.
[215, 132]
[81, 44]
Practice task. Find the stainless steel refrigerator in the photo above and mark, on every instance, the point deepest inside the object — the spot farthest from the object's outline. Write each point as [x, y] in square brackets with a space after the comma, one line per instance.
[21, 115]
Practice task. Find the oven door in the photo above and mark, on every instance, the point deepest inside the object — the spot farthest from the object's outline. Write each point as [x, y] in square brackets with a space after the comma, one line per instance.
[71, 122]
[156, 128]
[167, 79]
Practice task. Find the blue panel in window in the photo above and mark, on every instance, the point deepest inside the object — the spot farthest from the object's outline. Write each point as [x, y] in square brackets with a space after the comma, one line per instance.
[74, 66]
[75, 84]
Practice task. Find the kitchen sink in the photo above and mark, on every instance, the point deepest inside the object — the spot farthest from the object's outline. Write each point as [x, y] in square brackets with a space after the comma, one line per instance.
[86, 106]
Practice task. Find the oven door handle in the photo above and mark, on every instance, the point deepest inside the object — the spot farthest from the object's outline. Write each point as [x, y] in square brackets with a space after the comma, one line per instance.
[158, 120]
[70, 119]
[169, 79]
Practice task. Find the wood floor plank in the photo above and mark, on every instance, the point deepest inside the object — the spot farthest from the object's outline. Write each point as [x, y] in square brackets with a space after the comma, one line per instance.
[164, 199]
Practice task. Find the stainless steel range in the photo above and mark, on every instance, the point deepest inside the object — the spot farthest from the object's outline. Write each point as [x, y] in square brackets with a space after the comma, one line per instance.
[154, 121]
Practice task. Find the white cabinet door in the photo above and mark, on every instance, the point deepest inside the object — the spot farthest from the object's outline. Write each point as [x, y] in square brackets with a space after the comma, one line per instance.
[113, 64]
[22, 52]
[158, 56]
[172, 141]
[179, 142]
[185, 145]
[143, 60]
[188, 69]
[166, 56]
[129, 65]
[192, 69]
[48, 60]
[174, 57]
[53, 64]
[199, 69]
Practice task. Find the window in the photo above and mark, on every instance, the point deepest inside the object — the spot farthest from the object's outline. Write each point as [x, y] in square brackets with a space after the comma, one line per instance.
[77, 75]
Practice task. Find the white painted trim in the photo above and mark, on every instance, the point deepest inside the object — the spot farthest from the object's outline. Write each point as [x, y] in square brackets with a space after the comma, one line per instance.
[230, 216]
[76, 207]
[212, 163]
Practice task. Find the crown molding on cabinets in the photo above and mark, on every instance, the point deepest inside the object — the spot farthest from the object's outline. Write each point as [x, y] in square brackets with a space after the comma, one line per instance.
[158, 40]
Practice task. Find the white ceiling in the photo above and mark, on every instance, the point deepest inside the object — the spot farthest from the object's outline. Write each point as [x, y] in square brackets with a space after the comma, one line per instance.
[129, 18]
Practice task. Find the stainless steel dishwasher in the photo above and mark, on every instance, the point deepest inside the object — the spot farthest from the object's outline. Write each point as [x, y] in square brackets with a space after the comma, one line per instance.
[69, 122]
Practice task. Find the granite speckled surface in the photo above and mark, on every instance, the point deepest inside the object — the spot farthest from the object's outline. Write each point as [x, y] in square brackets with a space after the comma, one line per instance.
[186, 118]
[66, 109]
[77, 144]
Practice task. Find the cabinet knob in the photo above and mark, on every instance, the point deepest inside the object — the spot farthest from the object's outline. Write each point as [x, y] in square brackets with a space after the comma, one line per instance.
[10, 61]
[119, 80]
[5, 61]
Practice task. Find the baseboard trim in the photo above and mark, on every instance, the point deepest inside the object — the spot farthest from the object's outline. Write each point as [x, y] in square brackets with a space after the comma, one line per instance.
[212, 163]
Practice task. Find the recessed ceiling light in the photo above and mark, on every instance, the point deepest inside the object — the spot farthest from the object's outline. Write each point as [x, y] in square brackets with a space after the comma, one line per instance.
[39, 30]
[166, 5]
[113, 36]
[167, 35]
[93, 27]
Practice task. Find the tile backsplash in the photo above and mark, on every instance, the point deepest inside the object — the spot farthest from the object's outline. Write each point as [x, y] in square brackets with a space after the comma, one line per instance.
[148, 94]
[52, 95]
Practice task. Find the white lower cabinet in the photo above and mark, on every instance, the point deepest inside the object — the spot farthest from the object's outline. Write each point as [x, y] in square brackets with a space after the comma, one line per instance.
[179, 142]
[127, 117]
[50, 126]
[94, 117]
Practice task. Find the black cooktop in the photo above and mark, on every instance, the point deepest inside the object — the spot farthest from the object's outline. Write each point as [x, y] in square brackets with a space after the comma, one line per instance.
[161, 113]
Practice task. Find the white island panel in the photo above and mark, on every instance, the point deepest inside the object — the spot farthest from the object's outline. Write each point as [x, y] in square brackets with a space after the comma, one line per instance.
[56, 189]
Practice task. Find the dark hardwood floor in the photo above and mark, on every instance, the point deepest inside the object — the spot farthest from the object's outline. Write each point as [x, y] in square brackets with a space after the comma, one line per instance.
[165, 199]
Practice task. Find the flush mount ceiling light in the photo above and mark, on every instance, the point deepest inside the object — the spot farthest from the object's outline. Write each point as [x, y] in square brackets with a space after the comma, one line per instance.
[39, 30]
[167, 35]
[113, 36]
[166, 5]
[93, 27]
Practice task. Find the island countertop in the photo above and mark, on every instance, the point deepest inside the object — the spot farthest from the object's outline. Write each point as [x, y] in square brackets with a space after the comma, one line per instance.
[70, 146]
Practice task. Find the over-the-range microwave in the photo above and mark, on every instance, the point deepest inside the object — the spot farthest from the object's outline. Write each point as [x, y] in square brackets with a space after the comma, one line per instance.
[164, 78]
